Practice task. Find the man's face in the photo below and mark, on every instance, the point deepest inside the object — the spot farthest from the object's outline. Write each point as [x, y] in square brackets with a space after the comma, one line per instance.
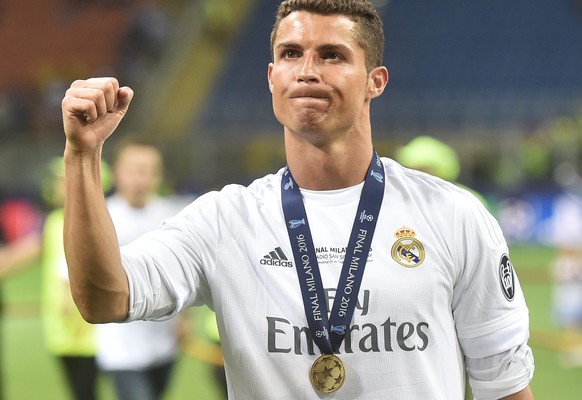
[318, 78]
[138, 174]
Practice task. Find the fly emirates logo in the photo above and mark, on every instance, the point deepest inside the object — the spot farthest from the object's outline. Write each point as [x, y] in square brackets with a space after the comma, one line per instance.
[390, 335]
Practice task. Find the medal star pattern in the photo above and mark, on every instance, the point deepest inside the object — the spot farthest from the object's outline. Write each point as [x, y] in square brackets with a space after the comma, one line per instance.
[327, 373]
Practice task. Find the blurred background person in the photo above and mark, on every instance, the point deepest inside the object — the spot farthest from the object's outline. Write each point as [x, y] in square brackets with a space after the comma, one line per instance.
[19, 248]
[20, 224]
[67, 336]
[567, 302]
[139, 356]
[204, 345]
[430, 155]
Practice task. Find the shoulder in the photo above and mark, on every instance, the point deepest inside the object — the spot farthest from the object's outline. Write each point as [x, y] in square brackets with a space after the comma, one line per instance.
[426, 185]
[169, 205]
[431, 194]
[261, 192]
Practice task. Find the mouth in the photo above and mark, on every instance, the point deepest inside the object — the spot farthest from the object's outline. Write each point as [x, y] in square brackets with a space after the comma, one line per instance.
[310, 97]
[310, 94]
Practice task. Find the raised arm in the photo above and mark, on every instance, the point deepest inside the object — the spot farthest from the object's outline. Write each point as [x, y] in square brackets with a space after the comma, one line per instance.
[92, 109]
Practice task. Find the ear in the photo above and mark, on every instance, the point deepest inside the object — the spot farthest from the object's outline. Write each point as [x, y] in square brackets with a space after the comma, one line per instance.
[269, 73]
[378, 79]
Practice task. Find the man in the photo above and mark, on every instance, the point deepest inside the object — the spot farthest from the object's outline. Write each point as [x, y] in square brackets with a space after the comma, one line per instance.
[139, 356]
[438, 291]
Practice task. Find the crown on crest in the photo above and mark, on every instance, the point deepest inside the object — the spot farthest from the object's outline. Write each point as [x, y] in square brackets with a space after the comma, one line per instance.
[405, 232]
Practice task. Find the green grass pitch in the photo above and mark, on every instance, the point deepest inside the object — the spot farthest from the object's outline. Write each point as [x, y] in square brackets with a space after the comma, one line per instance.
[31, 373]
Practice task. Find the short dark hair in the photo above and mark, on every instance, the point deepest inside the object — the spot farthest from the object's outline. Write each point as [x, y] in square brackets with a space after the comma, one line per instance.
[369, 28]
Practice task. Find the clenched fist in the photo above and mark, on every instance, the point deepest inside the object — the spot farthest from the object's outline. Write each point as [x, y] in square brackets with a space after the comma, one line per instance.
[92, 109]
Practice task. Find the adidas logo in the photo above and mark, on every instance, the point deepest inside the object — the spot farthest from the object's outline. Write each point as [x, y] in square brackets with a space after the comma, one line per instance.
[276, 258]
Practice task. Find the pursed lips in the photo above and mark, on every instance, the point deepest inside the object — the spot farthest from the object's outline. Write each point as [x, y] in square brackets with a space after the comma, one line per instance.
[309, 94]
[309, 98]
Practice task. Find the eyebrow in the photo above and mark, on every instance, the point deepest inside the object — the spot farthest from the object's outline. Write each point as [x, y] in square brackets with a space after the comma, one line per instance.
[325, 47]
[287, 45]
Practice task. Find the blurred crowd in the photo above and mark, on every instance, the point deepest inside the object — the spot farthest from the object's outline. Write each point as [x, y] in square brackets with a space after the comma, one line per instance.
[111, 37]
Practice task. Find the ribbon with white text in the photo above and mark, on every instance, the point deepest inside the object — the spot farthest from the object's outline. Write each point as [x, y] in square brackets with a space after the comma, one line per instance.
[329, 332]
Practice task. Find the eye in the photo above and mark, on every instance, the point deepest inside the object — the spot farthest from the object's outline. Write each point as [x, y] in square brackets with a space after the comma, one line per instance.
[333, 56]
[289, 53]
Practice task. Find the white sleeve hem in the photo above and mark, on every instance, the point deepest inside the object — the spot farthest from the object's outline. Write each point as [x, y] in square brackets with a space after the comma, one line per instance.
[515, 374]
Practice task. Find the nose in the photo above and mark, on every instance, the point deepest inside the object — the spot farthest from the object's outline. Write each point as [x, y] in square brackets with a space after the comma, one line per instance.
[309, 71]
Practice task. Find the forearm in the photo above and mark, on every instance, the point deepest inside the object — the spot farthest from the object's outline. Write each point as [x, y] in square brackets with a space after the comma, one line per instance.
[98, 281]
[525, 394]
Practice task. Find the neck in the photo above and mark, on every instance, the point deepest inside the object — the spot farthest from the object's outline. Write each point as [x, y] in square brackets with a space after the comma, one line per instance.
[328, 168]
[134, 201]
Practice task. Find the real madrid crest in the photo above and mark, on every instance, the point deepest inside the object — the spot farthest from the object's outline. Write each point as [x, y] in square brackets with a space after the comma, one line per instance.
[407, 250]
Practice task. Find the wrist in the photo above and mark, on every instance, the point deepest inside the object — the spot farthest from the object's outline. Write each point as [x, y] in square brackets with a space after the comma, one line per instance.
[76, 155]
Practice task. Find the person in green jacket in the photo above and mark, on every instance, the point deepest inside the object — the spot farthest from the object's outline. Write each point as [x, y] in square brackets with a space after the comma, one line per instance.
[68, 337]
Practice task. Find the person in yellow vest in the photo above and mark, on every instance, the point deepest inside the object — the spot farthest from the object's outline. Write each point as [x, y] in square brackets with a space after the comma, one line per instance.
[211, 332]
[68, 337]
[430, 155]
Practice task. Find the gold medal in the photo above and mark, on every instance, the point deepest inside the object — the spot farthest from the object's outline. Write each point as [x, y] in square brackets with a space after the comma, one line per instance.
[327, 373]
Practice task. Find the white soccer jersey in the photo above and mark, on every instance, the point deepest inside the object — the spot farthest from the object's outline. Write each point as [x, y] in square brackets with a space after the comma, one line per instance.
[438, 284]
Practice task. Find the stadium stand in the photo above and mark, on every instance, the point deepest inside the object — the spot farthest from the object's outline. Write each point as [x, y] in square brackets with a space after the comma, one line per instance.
[454, 64]
[58, 34]
[44, 45]
[460, 70]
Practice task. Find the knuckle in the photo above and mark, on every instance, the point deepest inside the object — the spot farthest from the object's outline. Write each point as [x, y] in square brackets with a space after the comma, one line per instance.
[78, 83]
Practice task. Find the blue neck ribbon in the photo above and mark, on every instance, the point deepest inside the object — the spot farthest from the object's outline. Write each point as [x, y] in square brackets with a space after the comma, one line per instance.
[329, 332]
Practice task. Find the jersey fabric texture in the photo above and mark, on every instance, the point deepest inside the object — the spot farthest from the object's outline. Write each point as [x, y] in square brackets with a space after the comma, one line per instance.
[140, 344]
[438, 285]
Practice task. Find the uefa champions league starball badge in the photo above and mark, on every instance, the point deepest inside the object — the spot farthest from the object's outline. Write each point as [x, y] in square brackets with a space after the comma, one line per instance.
[327, 373]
